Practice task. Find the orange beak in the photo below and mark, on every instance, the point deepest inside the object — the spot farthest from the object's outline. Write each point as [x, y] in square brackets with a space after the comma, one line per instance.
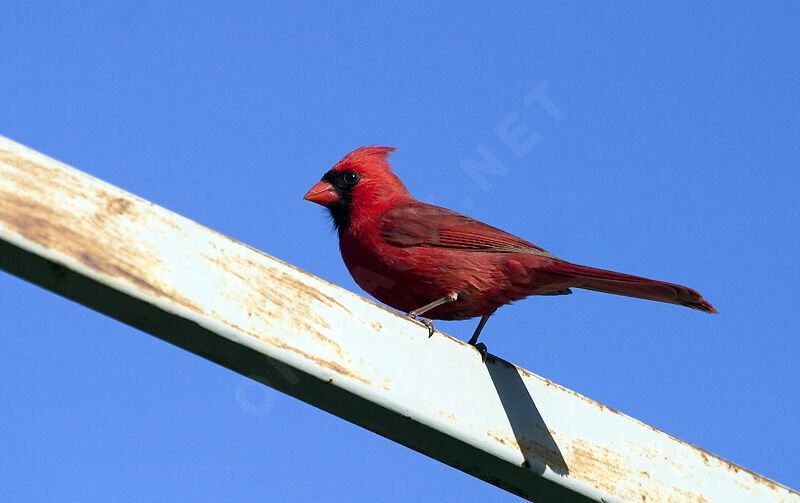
[322, 193]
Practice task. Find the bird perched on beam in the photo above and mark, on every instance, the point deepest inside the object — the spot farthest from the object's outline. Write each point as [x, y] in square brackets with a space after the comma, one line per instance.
[423, 259]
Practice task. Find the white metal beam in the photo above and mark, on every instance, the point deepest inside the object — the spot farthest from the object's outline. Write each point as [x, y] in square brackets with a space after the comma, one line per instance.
[130, 259]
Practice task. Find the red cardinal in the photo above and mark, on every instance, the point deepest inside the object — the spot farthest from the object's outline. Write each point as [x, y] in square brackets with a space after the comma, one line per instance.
[423, 259]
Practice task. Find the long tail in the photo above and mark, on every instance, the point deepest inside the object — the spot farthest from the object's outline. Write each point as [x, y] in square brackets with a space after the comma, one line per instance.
[617, 283]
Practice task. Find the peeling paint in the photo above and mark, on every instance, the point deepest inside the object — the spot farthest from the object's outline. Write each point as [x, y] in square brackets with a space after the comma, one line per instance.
[334, 366]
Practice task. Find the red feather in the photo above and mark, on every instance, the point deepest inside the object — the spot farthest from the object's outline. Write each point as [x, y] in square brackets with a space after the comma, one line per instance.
[407, 254]
[420, 224]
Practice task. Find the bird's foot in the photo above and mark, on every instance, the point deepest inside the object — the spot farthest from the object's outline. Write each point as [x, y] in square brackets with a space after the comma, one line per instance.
[428, 323]
[481, 347]
[425, 321]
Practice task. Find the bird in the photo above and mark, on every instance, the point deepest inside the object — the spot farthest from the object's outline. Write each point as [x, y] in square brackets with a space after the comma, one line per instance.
[427, 260]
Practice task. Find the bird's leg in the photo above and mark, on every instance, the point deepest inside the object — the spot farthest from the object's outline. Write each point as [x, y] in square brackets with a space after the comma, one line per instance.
[450, 297]
[481, 347]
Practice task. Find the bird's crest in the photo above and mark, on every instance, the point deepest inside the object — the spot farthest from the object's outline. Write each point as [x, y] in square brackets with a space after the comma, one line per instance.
[370, 157]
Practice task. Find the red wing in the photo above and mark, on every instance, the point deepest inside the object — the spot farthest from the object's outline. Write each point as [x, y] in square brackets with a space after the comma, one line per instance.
[420, 224]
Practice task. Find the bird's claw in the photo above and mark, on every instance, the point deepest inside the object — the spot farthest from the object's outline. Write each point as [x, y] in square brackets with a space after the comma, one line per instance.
[425, 321]
[481, 347]
[428, 323]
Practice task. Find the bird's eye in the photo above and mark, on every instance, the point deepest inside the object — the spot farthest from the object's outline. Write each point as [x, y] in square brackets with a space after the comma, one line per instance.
[350, 177]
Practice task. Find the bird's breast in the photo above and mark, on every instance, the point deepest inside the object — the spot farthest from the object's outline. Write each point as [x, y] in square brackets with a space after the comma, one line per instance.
[407, 278]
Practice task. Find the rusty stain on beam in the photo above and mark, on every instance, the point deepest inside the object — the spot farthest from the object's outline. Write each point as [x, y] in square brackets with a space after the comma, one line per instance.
[155, 270]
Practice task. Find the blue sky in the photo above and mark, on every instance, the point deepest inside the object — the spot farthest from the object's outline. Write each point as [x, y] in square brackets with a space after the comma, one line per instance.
[669, 148]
